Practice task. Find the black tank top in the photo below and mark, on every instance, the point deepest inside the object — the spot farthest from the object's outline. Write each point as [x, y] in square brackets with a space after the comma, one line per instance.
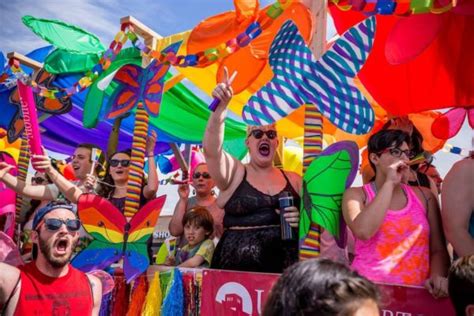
[250, 207]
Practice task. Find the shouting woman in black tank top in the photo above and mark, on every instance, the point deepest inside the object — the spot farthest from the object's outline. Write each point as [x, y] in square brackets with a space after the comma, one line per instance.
[249, 195]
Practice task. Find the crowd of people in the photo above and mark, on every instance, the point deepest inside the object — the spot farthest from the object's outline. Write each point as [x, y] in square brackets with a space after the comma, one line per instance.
[395, 219]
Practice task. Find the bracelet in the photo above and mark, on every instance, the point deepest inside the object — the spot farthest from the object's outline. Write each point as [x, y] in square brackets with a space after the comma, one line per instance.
[150, 155]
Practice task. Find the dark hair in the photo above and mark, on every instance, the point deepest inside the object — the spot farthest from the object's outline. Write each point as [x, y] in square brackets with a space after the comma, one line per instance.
[319, 287]
[461, 284]
[200, 216]
[416, 139]
[107, 187]
[384, 139]
[100, 165]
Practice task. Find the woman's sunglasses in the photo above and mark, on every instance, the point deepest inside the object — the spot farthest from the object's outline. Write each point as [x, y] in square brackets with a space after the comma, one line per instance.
[54, 224]
[205, 175]
[116, 162]
[258, 133]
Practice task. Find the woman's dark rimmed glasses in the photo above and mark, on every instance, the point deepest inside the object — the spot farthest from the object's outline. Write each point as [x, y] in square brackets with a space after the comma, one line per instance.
[116, 162]
[54, 224]
[205, 175]
[258, 133]
[397, 152]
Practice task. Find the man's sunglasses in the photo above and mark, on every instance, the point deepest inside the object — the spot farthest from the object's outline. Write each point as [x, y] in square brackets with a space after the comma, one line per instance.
[54, 224]
[258, 133]
[116, 162]
[397, 152]
[205, 175]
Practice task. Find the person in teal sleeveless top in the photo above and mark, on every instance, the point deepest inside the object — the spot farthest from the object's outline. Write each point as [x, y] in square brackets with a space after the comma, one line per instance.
[457, 198]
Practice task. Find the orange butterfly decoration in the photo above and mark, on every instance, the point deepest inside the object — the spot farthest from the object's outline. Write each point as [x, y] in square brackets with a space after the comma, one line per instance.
[249, 61]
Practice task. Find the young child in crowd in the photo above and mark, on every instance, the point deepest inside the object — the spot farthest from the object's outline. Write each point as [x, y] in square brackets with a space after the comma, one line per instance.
[198, 227]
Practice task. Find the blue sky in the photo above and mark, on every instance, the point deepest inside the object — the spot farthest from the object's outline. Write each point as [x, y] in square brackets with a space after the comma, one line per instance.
[102, 17]
[163, 16]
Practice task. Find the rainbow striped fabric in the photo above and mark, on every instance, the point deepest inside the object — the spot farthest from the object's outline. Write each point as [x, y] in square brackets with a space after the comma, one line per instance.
[328, 83]
[137, 161]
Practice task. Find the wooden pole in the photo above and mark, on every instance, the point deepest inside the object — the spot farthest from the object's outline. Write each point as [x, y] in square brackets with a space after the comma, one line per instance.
[145, 32]
[26, 61]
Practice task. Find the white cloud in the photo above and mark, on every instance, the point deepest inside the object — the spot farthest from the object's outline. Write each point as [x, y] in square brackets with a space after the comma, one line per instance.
[101, 18]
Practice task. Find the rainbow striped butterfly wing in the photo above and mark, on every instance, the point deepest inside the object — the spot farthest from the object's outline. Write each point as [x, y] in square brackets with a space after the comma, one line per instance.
[141, 225]
[324, 183]
[328, 83]
[106, 224]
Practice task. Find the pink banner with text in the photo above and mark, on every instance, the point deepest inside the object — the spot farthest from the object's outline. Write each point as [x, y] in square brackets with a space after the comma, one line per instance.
[241, 293]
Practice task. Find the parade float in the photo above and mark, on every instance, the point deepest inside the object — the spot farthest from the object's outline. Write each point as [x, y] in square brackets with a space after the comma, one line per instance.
[328, 97]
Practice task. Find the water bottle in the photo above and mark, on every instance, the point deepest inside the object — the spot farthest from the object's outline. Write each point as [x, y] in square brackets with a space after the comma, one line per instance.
[285, 199]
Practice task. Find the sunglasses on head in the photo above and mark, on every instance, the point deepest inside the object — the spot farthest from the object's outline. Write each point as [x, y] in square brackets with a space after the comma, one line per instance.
[54, 224]
[397, 152]
[205, 175]
[116, 162]
[258, 133]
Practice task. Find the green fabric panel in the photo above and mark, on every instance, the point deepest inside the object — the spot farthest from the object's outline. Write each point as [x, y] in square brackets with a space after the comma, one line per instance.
[62, 61]
[63, 35]
[236, 148]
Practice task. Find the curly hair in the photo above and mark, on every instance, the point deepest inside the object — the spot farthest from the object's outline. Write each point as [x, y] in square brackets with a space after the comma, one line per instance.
[319, 287]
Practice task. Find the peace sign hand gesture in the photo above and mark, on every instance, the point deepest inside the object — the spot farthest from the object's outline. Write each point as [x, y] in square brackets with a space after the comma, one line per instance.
[223, 91]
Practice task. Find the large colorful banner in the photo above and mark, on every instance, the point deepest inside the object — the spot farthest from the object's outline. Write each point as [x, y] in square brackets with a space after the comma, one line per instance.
[242, 293]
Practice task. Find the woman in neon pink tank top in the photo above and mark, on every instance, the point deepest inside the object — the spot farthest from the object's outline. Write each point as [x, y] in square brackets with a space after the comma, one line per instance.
[397, 227]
